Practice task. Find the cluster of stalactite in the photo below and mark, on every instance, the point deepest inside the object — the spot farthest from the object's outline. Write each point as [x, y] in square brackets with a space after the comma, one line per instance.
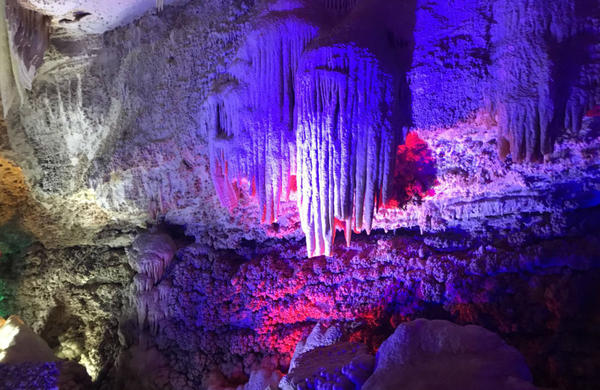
[249, 118]
[321, 94]
[151, 255]
[345, 142]
[24, 38]
[324, 116]
[546, 66]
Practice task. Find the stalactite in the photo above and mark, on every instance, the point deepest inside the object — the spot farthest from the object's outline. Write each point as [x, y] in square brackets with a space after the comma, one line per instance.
[24, 38]
[545, 65]
[152, 254]
[348, 93]
[249, 118]
[345, 143]
[349, 122]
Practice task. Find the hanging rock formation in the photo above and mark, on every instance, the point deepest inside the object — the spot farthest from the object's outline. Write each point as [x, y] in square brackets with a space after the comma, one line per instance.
[152, 254]
[249, 119]
[24, 38]
[546, 68]
[327, 117]
[350, 116]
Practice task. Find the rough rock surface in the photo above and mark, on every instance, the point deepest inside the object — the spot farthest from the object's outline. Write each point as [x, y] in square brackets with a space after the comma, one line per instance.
[109, 141]
[73, 298]
[44, 376]
[13, 190]
[318, 337]
[344, 366]
[26, 361]
[438, 354]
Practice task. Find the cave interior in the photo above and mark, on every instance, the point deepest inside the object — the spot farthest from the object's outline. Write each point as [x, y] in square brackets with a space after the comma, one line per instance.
[300, 194]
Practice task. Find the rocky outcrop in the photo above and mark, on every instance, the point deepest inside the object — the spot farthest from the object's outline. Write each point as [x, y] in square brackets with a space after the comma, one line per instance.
[318, 337]
[237, 310]
[18, 343]
[27, 362]
[441, 355]
[419, 354]
[73, 298]
[13, 190]
[343, 366]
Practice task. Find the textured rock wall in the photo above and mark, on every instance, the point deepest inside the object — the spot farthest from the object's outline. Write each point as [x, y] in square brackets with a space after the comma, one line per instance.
[532, 65]
[73, 298]
[100, 137]
[115, 123]
[112, 139]
[237, 311]
[449, 75]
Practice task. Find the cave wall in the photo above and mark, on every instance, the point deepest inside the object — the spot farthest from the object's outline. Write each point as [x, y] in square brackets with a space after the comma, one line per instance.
[125, 131]
[119, 122]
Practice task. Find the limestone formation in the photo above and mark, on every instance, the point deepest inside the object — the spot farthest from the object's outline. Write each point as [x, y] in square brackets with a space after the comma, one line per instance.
[343, 366]
[24, 357]
[18, 344]
[441, 355]
[174, 171]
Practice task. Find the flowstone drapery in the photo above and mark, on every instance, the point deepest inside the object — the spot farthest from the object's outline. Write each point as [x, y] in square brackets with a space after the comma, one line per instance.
[313, 105]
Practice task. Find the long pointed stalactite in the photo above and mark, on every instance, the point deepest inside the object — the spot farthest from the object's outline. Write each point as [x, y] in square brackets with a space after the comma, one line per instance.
[340, 144]
[345, 142]
[249, 119]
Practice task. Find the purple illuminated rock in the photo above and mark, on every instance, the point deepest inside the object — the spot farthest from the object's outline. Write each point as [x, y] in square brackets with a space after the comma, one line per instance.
[318, 337]
[343, 366]
[26, 361]
[438, 354]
